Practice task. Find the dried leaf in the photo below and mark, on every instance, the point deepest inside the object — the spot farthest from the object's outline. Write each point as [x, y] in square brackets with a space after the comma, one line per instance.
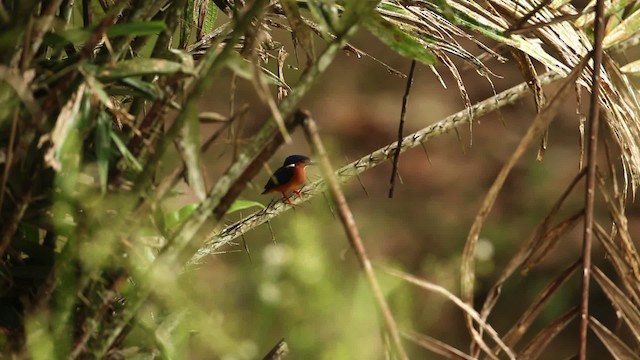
[436, 346]
[537, 127]
[627, 28]
[618, 349]
[468, 310]
[539, 343]
[621, 302]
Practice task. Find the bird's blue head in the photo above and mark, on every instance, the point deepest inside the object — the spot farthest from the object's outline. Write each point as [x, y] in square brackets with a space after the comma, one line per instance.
[296, 159]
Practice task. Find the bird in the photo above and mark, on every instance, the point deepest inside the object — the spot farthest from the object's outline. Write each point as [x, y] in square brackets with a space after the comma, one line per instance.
[288, 177]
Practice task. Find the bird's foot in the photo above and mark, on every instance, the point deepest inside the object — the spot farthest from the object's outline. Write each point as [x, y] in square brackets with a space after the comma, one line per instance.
[298, 193]
[287, 198]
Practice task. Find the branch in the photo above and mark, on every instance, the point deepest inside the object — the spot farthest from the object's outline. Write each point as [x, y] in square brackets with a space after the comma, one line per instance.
[219, 239]
[353, 234]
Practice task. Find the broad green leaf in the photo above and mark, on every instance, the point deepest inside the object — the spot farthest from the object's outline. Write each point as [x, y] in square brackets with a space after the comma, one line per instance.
[210, 17]
[103, 148]
[187, 23]
[243, 204]
[140, 66]
[398, 40]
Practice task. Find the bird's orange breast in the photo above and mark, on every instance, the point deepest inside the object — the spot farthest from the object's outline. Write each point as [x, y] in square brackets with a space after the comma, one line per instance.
[296, 180]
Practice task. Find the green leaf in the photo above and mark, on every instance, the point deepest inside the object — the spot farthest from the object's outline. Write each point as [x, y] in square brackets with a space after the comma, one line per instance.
[175, 218]
[146, 89]
[398, 40]
[30, 232]
[243, 204]
[103, 148]
[140, 28]
[126, 154]
[77, 36]
[187, 24]
[210, 18]
[141, 66]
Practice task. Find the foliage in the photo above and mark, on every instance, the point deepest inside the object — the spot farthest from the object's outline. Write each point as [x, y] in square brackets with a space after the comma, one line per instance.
[97, 262]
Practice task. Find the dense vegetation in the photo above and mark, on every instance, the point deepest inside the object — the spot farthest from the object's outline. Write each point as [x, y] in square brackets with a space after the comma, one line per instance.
[101, 126]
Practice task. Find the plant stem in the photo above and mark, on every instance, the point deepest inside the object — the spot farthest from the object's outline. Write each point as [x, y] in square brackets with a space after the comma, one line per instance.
[350, 227]
[592, 151]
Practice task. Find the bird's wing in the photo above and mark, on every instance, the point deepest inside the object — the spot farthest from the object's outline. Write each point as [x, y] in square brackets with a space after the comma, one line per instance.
[281, 176]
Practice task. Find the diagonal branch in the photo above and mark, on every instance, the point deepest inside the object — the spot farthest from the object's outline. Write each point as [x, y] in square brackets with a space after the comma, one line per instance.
[353, 234]
[219, 239]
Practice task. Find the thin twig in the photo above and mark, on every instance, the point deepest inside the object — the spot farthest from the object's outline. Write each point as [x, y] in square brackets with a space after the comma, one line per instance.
[350, 227]
[403, 112]
[592, 151]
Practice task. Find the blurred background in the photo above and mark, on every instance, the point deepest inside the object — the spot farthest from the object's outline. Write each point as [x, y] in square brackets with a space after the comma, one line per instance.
[305, 285]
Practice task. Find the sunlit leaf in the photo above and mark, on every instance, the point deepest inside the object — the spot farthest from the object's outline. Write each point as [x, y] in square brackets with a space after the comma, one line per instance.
[243, 204]
[632, 68]
[627, 28]
[174, 218]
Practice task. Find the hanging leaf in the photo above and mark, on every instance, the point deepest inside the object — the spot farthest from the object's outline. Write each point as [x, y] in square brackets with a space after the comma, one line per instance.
[243, 204]
[398, 40]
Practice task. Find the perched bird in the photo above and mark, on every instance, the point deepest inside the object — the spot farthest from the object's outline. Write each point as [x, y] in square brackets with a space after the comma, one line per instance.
[289, 176]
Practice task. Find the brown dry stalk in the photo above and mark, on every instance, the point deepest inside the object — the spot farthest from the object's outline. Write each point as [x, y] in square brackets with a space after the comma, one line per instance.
[542, 120]
[590, 188]
[350, 227]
